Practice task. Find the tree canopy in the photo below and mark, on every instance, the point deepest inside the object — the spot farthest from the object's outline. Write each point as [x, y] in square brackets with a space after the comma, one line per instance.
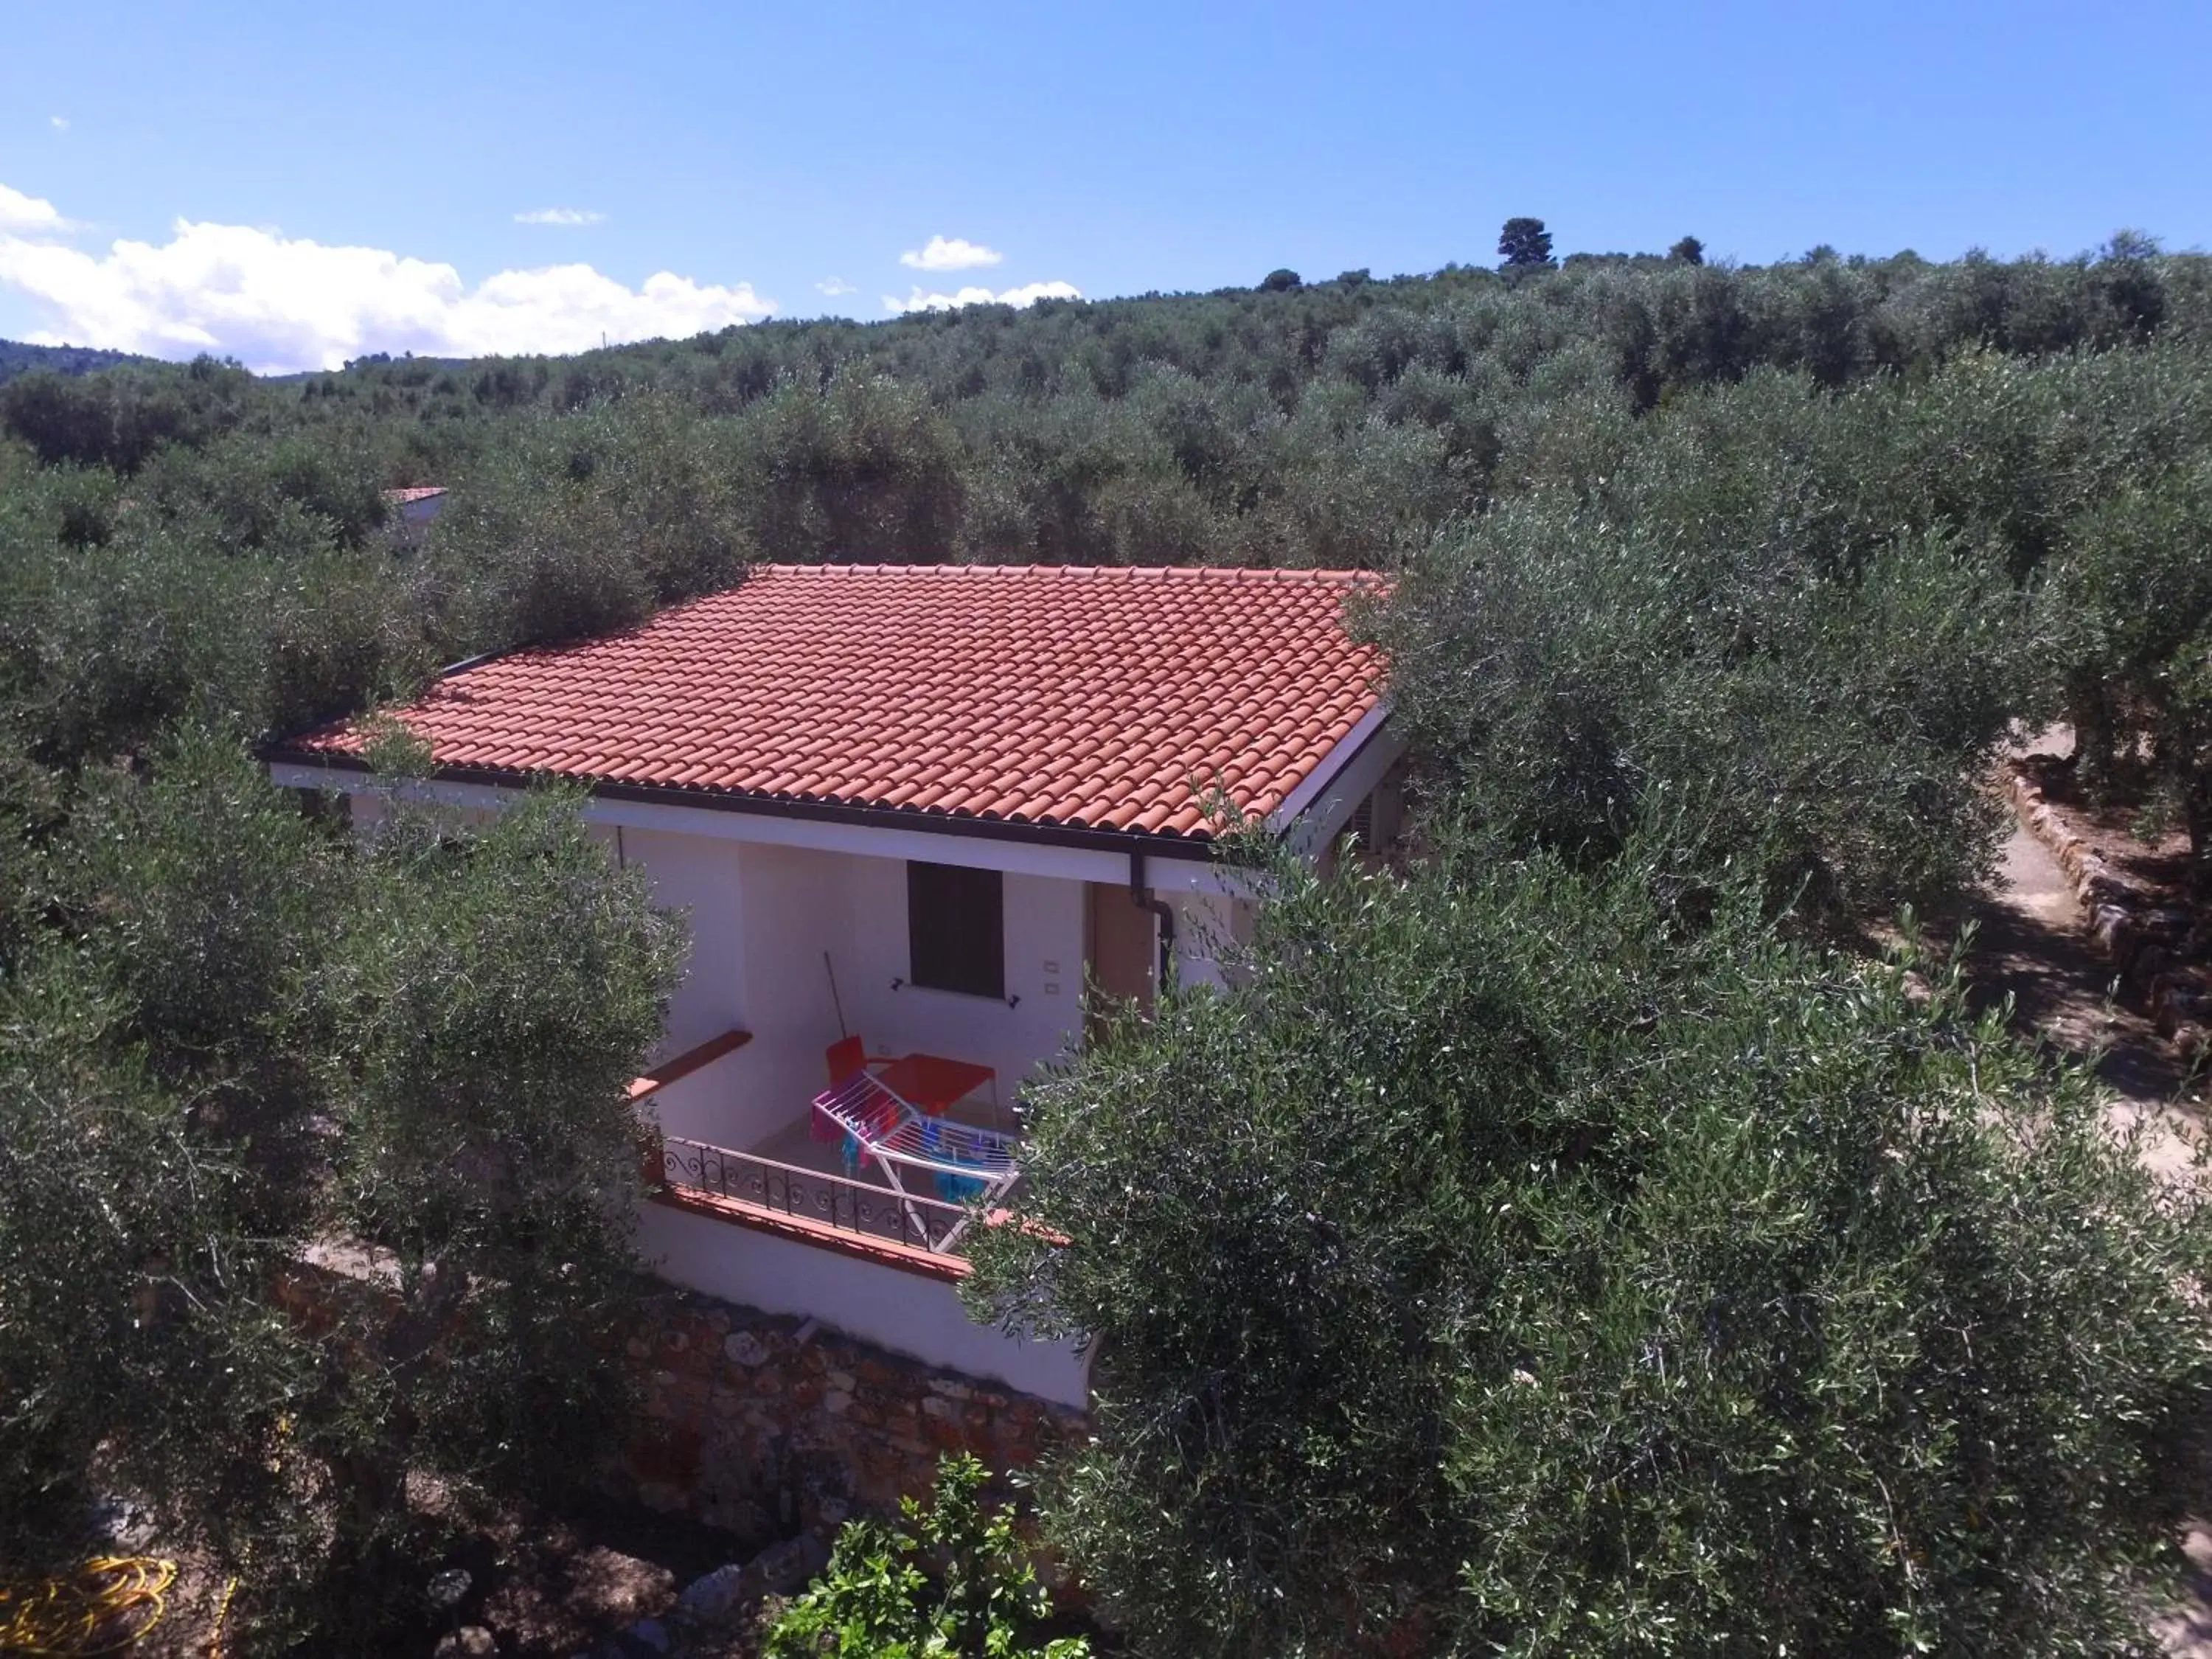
[1525, 244]
[249, 1051]
[1529, 1261]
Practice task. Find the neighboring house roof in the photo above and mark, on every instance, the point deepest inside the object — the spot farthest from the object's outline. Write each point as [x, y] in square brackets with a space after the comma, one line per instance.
[414, 493]
[1093, 698]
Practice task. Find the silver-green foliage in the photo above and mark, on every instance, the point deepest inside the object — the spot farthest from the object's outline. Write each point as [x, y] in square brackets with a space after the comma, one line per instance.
[238, 1046]
[1523, 1261]
[2128, 612]
[1746, 607]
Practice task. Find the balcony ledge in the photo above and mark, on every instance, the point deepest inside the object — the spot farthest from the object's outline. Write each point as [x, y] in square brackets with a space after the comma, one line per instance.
[691, 1060]
[907, 1258]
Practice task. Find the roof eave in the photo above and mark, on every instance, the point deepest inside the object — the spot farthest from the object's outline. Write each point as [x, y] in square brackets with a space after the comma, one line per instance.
[1154, 843]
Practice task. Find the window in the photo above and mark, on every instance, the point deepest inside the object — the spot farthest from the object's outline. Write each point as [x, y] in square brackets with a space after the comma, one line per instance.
[955, 929]
[1362, 827]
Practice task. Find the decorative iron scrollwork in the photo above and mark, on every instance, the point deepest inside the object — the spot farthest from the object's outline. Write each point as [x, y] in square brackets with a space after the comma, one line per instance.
[840, 1201]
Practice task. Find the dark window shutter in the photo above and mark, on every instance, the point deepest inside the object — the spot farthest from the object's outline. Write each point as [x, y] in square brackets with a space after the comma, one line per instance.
[1362, 826]
[956, 928]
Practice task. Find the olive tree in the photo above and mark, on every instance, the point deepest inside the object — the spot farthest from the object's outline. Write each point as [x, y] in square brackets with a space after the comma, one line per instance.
[500, 991]
[160, 1147]
[136, 1358]
[1519, 1260]
[2128, 609]
[1567, 676]
[315, 1175]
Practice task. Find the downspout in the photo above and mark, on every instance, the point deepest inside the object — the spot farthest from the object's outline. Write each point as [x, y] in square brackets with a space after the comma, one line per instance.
[1145, 899]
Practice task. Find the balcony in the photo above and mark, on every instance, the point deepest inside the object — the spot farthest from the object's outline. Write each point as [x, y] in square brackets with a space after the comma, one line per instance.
[862, 1167]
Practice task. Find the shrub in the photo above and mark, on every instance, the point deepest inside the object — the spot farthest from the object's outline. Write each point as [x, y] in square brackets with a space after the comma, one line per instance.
[875, 1601]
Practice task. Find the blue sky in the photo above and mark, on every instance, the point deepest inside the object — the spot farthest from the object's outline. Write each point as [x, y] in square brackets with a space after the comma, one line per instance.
[753, 155]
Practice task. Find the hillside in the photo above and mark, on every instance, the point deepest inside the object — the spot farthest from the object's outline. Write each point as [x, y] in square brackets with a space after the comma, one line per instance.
[1613, 488]
[1721, 1267]
[1338, 423]
[18, 357]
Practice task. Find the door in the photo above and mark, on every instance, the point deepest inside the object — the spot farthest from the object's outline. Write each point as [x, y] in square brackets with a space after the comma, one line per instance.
[1123, 949]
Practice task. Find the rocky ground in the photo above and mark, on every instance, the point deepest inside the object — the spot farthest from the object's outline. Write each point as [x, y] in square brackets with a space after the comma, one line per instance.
[2033, 944]
[604, 1582]
[595, 1603]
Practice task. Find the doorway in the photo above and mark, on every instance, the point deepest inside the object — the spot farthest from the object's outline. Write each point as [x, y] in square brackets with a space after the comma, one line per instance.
[1121, 949]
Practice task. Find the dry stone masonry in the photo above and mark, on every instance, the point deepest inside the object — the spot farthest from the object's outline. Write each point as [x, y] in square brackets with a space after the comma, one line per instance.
[2161, 951]
[767, 1424]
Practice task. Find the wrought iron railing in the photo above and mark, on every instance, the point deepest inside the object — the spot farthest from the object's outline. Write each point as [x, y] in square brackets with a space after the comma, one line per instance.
[831, 1201]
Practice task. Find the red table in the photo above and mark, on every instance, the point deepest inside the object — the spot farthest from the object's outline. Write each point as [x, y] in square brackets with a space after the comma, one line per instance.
[930, 1083]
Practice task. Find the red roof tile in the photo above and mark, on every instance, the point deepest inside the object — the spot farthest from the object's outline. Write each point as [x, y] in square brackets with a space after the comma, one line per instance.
[1093, 697]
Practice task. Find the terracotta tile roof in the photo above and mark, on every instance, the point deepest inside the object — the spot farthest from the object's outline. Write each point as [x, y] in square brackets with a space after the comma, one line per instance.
[414, 493]
[1045, 694]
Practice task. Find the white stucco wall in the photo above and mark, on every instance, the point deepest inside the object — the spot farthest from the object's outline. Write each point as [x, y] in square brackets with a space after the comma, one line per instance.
[1044, 972]
[798, 906]
[368, 808]
[761, 918]
[1208, 925]
[699, 877]
[921, 1318]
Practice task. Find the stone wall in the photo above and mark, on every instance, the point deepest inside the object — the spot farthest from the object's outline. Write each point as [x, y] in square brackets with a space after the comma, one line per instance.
[2162, 950]
[761, 1423]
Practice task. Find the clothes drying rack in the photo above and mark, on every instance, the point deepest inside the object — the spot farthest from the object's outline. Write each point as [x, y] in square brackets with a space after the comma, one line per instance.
[965, 1163]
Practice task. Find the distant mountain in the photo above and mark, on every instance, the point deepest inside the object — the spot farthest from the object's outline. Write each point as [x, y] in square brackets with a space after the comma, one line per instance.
[17, 358]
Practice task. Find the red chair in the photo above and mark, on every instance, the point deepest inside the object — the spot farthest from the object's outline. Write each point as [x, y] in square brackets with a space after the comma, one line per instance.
[848, 1057]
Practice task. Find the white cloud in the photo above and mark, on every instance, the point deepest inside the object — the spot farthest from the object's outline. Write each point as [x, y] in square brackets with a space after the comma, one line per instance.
[59, 123]
[277, 303]
[1028, 294]
[834, 287]
[559, 216]
[952, 253]
[28, 215]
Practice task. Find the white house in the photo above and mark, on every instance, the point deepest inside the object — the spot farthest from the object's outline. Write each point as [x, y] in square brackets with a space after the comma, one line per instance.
[414, 510]
[923, 807]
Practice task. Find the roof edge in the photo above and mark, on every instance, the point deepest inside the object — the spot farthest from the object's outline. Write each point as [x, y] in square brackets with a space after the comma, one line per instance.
[1331, 766]
[1153, 841]
[1330, 576]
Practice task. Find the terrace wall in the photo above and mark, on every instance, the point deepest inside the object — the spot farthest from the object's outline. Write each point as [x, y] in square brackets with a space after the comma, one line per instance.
[761, 1423]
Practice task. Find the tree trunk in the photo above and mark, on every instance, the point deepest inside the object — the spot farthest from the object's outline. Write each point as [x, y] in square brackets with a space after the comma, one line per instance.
[2197, 813]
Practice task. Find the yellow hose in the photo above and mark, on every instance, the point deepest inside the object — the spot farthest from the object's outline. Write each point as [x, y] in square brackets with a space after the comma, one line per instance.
[215, 1648]
[108, 1605]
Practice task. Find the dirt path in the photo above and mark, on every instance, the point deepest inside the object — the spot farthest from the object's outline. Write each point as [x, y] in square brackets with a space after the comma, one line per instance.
[2030, 943]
